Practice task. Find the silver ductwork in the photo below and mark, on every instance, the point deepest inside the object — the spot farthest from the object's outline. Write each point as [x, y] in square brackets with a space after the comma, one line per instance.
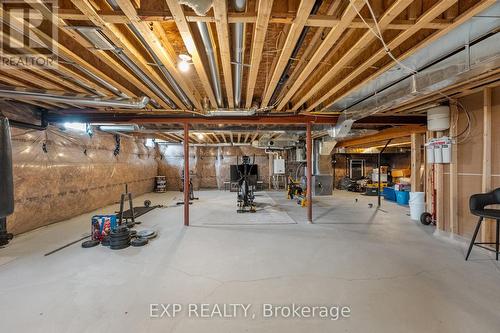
[470, 50]
[21, 94]
[101, 81]
[175, 86]
[232, 113]
[238, 49]
[212, 62]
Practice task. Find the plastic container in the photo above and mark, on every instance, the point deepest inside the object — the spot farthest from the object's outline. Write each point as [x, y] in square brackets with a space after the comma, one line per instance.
[402, 197]
[438, 118]
[389, 194]
[417, 205]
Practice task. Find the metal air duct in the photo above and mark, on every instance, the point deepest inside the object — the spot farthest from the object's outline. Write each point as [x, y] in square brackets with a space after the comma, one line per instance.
[74, 99]
[212, 62]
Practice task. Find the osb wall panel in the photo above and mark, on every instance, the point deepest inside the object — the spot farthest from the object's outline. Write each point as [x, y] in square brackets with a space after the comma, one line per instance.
[470, 156]
[209, 166]
[76, 174]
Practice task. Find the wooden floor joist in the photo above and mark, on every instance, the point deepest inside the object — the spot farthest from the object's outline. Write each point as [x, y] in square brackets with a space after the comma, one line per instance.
[291, 40]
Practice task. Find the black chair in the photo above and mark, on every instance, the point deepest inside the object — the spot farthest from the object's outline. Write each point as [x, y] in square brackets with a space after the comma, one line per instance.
[477, 204]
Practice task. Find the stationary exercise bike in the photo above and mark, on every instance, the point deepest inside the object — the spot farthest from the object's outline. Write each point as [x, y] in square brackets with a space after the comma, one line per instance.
[246, 186]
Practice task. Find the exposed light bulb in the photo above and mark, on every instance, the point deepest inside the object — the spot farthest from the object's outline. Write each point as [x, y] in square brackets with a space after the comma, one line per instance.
[183, 66]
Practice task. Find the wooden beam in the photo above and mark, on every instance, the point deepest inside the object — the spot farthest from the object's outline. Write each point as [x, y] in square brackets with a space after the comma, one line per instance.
[187, 36]
[416, 161]
[323, 21]
[157, 44]
[291, 40]
[384, 135]
[220, 15]
[453, 180]
[259, 35]
[351, 54]
[437, 9]
[486, 232]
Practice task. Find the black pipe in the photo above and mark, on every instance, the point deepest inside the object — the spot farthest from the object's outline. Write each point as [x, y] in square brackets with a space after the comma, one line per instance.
[378, 164]
[24, 125]
[285, 75]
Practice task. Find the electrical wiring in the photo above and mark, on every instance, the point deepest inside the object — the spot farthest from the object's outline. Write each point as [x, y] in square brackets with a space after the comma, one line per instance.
[378, 34]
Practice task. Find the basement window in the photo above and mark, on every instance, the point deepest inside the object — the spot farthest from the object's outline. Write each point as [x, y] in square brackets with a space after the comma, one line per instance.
[150, 143]
[80, 127]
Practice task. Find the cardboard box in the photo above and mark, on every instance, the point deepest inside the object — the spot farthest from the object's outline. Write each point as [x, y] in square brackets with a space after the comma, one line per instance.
[401, 173]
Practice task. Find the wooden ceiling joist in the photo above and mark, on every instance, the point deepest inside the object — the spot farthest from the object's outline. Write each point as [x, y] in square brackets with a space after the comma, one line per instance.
[259, 35]
[187, 36]
[352, 53]
[329, 41]
[437, 9]
[120, 41]
[157, 45]
[291, 40]
[220, 14]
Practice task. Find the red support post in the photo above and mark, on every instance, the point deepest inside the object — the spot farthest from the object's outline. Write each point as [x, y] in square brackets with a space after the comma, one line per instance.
[309, 173]
[186, 174]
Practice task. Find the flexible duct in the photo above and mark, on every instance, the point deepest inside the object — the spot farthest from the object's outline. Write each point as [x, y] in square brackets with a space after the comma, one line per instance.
[6, 177]
[285, 75]
[175, 86]
[74, 99]
[212, 62]
[239, 32]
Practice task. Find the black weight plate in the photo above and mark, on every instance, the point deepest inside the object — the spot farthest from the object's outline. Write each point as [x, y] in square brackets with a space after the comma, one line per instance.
[120, 228]
[139, 241]
[146, 233]
[119, 242]
[90, 243]
[119, 236]
[105, 241]
[133, 233]
[119, 247]
[147, 203]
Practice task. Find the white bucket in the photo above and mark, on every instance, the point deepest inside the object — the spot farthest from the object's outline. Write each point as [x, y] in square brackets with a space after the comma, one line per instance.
[417, 205]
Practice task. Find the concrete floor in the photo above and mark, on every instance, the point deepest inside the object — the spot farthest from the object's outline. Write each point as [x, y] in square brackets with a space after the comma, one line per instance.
[394, 274]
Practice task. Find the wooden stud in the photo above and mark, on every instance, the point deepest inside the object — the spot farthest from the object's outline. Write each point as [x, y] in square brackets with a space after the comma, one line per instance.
[487, 230]
[453, 204]
[416, 161]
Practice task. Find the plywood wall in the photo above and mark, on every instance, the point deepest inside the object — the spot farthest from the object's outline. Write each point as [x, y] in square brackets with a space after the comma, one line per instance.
[470, 161]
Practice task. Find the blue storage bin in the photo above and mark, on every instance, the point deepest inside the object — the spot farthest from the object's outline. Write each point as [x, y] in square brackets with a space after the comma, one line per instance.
[402, 197]
[389, 194]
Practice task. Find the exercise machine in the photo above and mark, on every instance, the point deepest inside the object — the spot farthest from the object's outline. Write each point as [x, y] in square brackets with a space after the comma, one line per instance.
[246, 185]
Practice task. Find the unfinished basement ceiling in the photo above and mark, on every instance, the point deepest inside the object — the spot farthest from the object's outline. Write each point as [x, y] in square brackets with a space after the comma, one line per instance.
[142, 58]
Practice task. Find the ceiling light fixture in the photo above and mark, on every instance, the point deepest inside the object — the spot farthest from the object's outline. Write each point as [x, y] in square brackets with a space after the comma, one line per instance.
[185, 62]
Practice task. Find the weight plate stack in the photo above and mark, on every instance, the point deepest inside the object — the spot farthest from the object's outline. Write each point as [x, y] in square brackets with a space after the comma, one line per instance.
[119, 238]
[90, 243]
[139, 241]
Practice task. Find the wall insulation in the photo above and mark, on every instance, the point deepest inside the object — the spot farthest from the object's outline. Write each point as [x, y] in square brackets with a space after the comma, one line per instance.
[60, 174]
[209, 166]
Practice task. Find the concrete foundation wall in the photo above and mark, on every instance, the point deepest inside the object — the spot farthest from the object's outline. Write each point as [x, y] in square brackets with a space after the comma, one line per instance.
[76, 174]
[209, 166]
